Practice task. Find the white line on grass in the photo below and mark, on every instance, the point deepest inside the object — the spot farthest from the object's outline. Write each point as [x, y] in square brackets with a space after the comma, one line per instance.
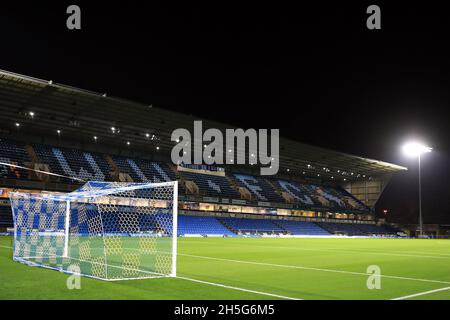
[421, 294]
[311, 268]
[223, 286]
[337, 250]
[238, 289]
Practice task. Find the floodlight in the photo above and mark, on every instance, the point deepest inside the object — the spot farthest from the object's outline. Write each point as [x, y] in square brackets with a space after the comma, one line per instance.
[415, 149]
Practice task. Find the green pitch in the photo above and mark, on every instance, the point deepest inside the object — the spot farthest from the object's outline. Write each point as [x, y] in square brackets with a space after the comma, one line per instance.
[238, 268]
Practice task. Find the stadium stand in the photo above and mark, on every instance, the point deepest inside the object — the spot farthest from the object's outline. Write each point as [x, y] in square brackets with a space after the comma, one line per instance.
[302, 228]
[260, 188]
[102, 167]
[357, 229]
[242, 225]
[211, 185]
[201, 226]
[142, 170]
[14, 153]
[321, 196]
[73, 163]
[6, 219]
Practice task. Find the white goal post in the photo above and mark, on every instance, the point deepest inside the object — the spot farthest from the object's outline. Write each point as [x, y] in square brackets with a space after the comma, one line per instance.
[104, 230]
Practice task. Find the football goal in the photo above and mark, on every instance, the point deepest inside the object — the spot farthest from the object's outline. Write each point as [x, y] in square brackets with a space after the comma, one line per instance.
[104, 230]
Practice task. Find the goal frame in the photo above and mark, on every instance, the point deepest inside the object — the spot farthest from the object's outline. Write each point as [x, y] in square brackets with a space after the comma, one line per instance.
[88, 194]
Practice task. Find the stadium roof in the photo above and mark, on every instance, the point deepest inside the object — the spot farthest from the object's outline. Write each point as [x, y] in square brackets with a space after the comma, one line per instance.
[42, 107]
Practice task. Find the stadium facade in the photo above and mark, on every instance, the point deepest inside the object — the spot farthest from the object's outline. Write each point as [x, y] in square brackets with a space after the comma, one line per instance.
[56, 137]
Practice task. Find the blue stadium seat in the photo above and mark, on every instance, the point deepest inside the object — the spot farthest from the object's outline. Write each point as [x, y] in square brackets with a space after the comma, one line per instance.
[13, 152]
[259, 188]
[141, 170]
[211, 185]
[74, 163]
[202, 226]
[251, 225]
[358, 229]
[6, 219]
[302, 228]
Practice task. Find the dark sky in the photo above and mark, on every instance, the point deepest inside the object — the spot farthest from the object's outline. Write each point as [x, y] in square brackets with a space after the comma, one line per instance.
[315, 72]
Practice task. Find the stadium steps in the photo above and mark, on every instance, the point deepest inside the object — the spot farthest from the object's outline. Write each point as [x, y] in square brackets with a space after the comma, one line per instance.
[32, 153]
[174, 170]
[114, 174]
[277, 190]
[280, 226]
[227, 226]
[234, 185]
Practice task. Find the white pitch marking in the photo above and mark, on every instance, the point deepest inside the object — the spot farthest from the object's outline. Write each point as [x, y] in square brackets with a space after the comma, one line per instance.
[421, 293]
[225, 286]
[306, 268]
[337, 250]
[313, 269]
[238, 289]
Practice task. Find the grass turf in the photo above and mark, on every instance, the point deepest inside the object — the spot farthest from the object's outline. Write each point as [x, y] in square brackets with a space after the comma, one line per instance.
[296, 268]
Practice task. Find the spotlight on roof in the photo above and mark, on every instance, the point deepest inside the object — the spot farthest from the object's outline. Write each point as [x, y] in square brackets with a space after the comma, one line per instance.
[128, 143]
[415, 149]
[58, 132]
[17, 124]
[95, 138]
[31, 114]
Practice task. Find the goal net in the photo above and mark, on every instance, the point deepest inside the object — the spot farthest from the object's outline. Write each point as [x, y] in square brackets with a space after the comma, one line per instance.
[104, 230]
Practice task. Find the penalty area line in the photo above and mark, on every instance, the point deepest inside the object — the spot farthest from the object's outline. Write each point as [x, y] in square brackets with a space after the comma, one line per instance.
[238, 289]
[421, 293]
[312, 268]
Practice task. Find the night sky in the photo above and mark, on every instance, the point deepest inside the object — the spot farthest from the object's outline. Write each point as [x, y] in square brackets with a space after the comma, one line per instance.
[315, 72]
